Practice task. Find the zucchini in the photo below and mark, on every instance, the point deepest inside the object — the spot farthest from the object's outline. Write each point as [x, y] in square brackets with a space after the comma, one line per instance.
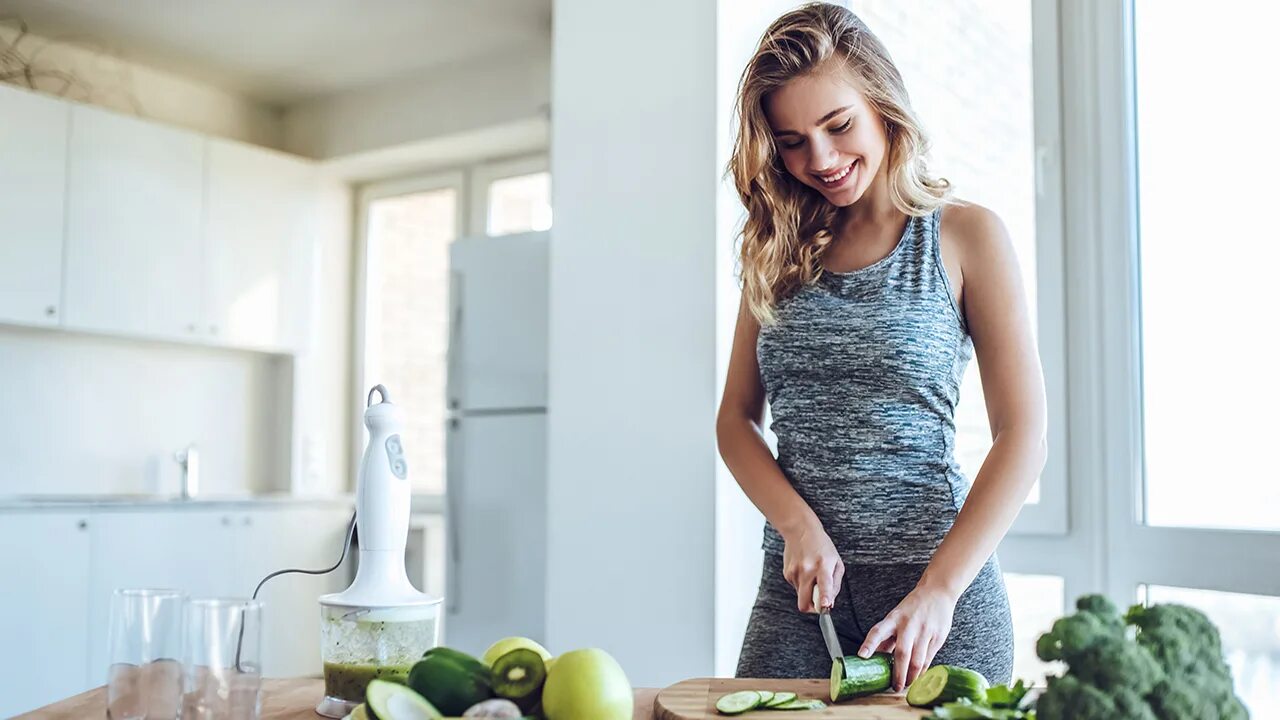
[452, 681]
[518, 675]
[386, 700]
[780, 698]
[946, 683]
[736, 703]
[853, 676]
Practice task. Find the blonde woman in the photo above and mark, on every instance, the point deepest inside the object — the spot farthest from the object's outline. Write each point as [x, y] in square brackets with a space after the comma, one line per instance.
[867, 288]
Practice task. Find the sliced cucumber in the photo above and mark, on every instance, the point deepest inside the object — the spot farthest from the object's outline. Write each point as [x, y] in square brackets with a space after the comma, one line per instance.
[386, 700]
[736, 703]
[800, 704]
[780, 698]
[766, 697]
[946, 683]
[854, 676]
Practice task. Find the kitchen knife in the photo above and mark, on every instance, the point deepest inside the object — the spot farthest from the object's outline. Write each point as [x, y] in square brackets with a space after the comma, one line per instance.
[828, 629]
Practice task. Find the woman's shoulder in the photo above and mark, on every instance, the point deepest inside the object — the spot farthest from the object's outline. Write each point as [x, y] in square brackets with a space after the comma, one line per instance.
[972, 230]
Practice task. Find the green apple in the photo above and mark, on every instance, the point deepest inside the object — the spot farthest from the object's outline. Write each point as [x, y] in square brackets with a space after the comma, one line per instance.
[587, 684]
[506, 645]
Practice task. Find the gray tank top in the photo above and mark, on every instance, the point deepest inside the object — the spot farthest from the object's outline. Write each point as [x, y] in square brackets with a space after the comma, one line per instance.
[862, 373]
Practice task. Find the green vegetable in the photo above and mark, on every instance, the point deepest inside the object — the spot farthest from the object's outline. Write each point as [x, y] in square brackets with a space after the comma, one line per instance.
[452, 681]
[386, 700]
[780, 698]
[946, 683]
[800, 704]
[1172, 669]
[766, 697]
[853, 676]
[518, 675]
[736, 703]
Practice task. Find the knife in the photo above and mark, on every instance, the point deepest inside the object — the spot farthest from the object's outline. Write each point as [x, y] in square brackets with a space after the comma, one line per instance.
[828, 629]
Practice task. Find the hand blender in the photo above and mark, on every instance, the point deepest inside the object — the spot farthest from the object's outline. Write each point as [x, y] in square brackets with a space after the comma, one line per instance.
[381, 625]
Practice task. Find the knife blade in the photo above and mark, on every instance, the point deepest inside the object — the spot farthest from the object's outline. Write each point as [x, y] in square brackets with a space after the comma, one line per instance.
[828, 629]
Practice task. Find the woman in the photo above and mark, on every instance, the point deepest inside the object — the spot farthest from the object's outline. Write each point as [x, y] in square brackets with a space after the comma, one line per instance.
[866, 290]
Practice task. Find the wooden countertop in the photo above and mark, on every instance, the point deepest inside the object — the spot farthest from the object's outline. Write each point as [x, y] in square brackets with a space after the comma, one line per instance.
[291, 699]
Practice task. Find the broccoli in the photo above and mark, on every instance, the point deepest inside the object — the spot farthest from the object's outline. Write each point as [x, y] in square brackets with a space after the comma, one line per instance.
[1171, 668]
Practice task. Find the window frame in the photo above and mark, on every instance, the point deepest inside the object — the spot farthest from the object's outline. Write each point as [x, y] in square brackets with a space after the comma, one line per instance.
[481, 176]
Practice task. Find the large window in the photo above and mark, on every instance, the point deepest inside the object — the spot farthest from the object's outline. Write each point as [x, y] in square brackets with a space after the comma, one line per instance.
[1209, 255]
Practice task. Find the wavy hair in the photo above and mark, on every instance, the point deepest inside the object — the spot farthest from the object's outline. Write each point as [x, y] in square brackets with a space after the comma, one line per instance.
[789, 225]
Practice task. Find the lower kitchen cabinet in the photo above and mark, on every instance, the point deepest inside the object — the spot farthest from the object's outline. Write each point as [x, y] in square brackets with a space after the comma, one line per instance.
[61, 569]
[44, 608]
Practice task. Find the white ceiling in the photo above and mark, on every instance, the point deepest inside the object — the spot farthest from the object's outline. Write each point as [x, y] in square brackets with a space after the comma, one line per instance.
[281, 51]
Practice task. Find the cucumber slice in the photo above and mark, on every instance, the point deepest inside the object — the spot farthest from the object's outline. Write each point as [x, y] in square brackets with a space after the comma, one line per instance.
[518, 675]
[780, 698]
[386, 700]
[800, 704]
[766, 697]
[854, 676]
[946, 683]
[736, 703]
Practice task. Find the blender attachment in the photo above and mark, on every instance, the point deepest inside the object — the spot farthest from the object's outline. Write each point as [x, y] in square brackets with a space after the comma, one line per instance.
[381, 625]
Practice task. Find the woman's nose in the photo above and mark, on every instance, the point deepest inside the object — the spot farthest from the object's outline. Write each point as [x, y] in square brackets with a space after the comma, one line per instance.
[822, 156]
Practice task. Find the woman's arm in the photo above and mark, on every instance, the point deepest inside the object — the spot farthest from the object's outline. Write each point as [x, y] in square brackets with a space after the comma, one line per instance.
[995, 309]
[810, 556]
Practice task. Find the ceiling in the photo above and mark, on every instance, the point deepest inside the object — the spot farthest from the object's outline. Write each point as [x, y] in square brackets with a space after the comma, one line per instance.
[282, 51]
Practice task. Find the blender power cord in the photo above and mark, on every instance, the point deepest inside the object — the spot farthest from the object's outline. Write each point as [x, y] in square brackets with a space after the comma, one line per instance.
[346, 545]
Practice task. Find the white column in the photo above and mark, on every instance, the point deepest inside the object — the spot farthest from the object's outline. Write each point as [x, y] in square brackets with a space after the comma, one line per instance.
[633, 380]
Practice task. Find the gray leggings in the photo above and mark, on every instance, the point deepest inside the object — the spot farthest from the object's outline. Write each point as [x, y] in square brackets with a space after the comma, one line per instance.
[782, 642]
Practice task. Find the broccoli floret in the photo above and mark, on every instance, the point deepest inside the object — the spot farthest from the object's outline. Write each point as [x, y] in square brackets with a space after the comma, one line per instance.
[1171, 669]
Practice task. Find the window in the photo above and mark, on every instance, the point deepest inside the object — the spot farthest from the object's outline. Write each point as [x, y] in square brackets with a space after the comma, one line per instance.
[1250, 627]
[977, 101]
[1036, 601]
[1208, 261]
[512, 196]
[408, 229]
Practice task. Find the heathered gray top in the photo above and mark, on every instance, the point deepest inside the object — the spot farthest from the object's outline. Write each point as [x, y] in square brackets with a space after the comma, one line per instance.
[862, 373]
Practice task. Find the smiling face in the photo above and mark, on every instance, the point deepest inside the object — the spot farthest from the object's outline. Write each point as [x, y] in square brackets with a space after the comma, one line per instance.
[829, 137]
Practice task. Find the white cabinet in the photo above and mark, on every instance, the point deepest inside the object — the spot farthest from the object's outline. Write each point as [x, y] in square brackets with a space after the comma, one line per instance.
[257, 251]
[133, 236]
[33, 165]
[44, 609]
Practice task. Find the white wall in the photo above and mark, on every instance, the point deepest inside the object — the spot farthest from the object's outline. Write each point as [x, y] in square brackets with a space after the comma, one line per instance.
[439, 101]
[632, 359]
[90, 414]
[110, 80]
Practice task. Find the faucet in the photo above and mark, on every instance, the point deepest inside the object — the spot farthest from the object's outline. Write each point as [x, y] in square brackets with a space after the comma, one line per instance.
[189, 459]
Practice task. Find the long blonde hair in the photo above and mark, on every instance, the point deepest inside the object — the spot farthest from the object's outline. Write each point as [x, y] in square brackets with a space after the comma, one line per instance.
[789, 225]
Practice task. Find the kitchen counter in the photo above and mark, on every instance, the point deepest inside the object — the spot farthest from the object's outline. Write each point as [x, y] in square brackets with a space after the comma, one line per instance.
[292, 699]
[129, 502]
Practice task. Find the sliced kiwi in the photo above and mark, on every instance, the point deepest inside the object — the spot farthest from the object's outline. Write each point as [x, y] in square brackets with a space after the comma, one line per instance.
[518, 675]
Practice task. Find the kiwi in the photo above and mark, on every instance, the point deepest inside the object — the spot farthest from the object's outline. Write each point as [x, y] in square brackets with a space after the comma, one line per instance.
[518, 675]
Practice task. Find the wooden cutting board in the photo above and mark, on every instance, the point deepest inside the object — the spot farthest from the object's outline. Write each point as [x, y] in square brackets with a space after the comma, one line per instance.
[696, 700]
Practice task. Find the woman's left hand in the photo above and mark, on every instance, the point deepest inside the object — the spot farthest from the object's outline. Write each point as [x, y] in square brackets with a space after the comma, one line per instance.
[913, 632]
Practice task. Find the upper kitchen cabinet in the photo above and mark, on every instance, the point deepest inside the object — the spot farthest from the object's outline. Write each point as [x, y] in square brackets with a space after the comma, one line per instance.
[33, 166]
[133, 243]
[258, 246]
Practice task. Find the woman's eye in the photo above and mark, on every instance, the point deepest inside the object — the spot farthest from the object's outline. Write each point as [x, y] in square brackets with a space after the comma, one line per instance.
[792, 145]
[843, 128]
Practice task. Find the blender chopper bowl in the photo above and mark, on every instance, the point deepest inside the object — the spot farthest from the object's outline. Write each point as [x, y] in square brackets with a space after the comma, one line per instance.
[382, 624]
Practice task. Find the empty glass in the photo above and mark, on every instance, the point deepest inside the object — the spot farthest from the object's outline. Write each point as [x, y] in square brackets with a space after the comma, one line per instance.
[145, 638]
[224, 660]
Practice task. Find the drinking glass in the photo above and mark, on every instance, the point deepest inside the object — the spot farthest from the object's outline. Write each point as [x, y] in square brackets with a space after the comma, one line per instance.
[144, 679]
[223, 678]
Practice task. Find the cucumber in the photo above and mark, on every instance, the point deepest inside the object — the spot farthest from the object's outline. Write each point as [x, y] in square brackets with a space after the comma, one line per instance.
[386, 700]
[946, 683]
[450, 680]
[780, 698]
[800, 704]
[766, 697]
[854, 676]
[518, 675]
[736, 703]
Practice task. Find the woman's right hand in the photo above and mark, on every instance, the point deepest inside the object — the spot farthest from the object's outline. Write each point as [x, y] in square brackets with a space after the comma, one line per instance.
[810, 559]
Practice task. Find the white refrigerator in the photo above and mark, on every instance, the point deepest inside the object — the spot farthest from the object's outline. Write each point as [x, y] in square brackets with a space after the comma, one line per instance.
[495, 579]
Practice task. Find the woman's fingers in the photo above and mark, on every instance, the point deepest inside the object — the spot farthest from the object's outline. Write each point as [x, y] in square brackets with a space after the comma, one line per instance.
[902, 657]
[920, 657]
[879, 634]
[934, 646]
[804, 592]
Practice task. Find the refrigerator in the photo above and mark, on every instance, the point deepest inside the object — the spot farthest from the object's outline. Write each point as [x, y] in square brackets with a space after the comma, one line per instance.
[496, 457]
